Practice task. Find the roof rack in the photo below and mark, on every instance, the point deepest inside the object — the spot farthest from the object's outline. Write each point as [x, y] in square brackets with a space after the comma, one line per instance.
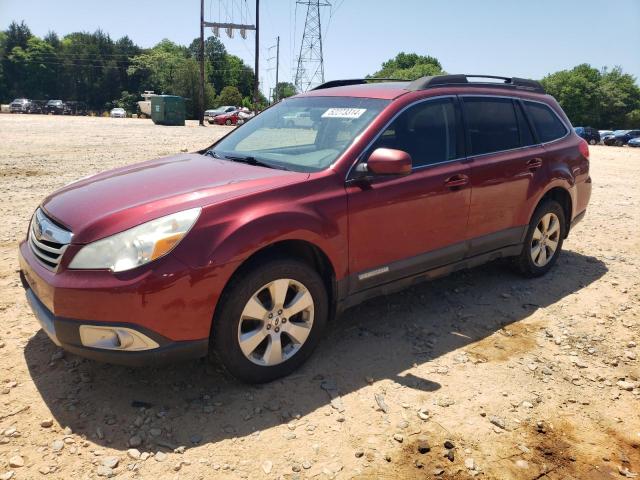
[463, 79]
[354, 81]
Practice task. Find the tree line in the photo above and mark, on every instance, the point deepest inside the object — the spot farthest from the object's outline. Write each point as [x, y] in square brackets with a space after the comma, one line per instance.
[103, 73]
[605, 99]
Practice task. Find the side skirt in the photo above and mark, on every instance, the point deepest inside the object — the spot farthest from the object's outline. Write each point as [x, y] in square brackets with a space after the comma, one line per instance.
[402, 283]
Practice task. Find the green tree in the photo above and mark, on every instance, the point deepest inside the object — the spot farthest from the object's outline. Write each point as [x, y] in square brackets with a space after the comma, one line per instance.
[409, 66]
[604, 99]
[619, 98]
[577, 91]
[157, 68]
[285, 90]
[215, 55]
[229, 95]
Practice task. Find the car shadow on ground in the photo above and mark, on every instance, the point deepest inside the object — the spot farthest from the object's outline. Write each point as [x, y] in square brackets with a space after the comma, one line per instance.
[195, 403]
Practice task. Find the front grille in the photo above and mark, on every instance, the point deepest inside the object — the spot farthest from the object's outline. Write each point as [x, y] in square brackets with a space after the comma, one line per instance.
[47, 240]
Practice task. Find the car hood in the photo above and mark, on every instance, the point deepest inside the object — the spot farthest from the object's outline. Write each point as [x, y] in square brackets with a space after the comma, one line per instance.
[104, 204]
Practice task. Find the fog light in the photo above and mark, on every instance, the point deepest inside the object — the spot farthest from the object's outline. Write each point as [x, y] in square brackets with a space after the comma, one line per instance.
[115, 338]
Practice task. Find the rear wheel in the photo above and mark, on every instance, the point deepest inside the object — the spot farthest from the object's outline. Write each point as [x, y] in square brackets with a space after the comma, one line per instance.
[270, 320]
[544, 239]
[227, 122]
[592, 141]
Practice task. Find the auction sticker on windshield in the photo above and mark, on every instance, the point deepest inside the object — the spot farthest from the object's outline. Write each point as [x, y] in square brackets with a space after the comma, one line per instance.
[344, 113]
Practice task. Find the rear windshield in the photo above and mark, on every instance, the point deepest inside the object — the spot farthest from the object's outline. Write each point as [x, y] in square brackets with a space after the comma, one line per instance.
[304, 134]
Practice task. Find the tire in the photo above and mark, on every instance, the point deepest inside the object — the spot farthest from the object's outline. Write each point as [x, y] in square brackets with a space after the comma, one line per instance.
[251, 290]
[619, 143]
[525, 261]
[592, 141]
[227, 122]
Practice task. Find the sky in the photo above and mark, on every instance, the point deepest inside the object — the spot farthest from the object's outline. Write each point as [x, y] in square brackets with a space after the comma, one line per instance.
[512, 38]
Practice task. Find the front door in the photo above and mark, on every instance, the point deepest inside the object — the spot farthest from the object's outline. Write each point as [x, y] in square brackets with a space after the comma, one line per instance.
[401, 226]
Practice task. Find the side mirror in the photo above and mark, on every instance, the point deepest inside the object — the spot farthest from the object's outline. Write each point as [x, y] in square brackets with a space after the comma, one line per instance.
[388, 161]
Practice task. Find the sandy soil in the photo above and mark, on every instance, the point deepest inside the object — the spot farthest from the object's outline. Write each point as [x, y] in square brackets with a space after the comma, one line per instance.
[482, 373]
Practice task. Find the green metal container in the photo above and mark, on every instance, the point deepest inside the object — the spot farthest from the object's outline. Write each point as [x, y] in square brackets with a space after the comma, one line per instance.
[168, 110]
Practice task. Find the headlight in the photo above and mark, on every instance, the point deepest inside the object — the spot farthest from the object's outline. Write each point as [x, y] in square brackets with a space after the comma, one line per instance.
[138, 245]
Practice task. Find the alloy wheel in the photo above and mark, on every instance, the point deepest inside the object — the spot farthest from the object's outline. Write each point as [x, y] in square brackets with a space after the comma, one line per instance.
[545, 240]
[276, 322]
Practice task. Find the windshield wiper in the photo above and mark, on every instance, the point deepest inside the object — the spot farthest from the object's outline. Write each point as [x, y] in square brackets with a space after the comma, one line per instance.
[244, 159]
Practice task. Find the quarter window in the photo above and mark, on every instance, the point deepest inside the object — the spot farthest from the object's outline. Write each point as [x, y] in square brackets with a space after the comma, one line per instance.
[492, 125]
[545, 121]
[426, 131]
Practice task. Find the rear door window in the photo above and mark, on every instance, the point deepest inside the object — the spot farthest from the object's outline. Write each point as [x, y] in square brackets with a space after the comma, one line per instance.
[545, 121]
[492, 125]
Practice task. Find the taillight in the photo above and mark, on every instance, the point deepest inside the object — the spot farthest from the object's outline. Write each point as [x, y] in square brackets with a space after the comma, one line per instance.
[584, 148]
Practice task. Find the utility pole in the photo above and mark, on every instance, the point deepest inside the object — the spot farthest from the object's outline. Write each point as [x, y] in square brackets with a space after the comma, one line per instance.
[310, 71]
[230, 27]
[256, 85]
[275, 95]
[201, 112]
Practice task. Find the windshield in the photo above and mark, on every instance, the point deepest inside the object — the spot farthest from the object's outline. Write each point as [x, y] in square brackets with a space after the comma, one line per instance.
[305, 134]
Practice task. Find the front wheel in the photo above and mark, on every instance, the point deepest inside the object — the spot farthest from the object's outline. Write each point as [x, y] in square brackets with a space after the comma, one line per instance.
[270, 320]
[592, 141]
[227, 122]
[543, 241]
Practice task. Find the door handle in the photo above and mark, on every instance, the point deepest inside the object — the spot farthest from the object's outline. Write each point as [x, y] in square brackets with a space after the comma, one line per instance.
[455, 181]
[534, 164]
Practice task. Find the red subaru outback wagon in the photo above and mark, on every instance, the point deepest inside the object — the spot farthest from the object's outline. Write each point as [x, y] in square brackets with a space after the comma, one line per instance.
[247, 248]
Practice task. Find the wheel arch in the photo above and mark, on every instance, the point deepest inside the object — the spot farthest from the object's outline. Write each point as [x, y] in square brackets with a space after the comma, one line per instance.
[298, 249]
[563, 197]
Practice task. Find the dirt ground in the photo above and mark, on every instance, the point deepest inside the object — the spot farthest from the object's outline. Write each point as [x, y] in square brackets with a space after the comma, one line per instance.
[483, 373]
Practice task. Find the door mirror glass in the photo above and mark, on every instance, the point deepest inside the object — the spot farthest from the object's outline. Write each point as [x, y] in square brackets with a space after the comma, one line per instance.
[389, 161]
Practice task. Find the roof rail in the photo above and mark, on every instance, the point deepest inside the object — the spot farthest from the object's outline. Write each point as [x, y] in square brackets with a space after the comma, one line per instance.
[354, 81]
[458, 79]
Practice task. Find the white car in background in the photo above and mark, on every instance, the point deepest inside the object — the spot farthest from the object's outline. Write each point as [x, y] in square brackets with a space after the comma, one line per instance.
[118, 113]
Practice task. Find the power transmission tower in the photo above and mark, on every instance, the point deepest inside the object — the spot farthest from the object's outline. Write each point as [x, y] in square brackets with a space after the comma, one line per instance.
[310, 71]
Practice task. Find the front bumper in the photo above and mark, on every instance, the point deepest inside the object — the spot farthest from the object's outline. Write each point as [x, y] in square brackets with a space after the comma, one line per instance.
[168, 304]
[65, 333]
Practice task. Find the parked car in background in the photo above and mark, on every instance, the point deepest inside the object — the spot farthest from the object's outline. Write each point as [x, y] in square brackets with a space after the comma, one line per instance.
[230, 118]
[604, 133]
[247, 248]
[621, 137]
[20, 105]
[634, 142]
[38, 106]
[591, 135]
[75, 108]
[54, 107]
[298, 120]
[118, 113]
[244, 115]
[211, 114]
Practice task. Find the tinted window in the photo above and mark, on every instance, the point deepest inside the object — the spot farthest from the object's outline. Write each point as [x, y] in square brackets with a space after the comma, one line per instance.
[426, 131]
[526, 136]
[491, 124]
[545, 121]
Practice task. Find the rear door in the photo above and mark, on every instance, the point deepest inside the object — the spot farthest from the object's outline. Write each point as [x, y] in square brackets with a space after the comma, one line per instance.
[505, 162]
[401, 226]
